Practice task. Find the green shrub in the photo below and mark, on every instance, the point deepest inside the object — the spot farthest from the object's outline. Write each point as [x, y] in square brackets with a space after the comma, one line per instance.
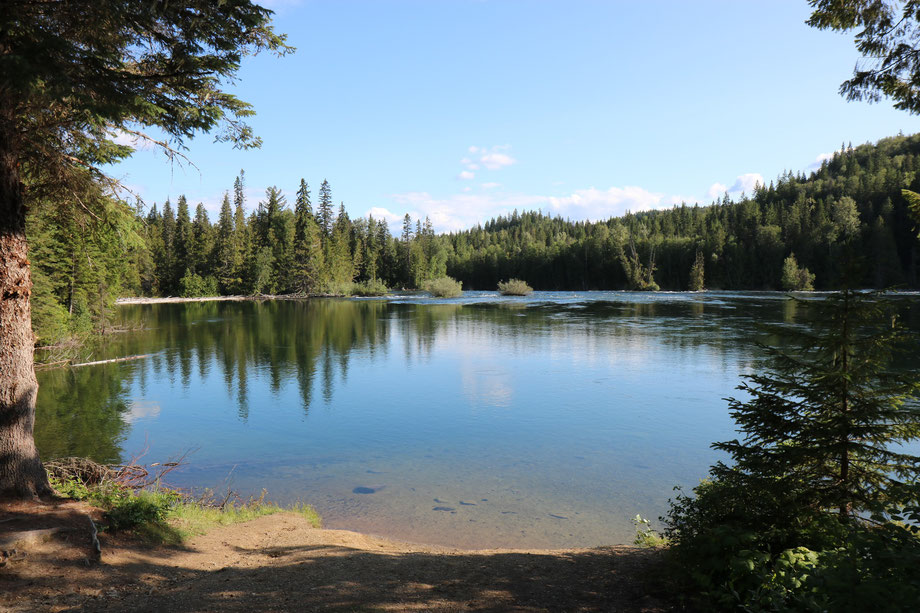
[193, 285]
[443, 287]
[646, 536]
[371, 287]
[514, 287]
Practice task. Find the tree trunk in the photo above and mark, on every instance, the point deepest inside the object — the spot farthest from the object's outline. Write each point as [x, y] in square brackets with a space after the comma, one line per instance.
[21, 471]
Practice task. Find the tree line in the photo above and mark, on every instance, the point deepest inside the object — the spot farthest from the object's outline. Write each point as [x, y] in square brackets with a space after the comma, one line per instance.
[786, 235]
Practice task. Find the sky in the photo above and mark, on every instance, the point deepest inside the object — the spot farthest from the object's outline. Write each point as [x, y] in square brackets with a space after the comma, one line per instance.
[462, 110]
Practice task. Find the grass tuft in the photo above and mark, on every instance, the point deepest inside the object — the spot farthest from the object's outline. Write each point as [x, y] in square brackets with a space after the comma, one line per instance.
[165, 516]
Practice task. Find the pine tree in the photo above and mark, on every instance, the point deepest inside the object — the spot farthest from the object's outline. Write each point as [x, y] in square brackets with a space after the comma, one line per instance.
[166, 265]
[406, 248]
[239, 189]
[202, 244]
[828, 422]
[308, 254]
[804, 517]
[324, 211]
[242, 242]
[339, 261]
[183, 242]
[225, 249]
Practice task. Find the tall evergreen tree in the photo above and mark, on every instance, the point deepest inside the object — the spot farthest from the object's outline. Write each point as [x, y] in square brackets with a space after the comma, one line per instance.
[406, 249]
[324, 211]
[203, 242]
[166, 266]
[308, 254]
[225, 249]
[338, 255]
[829, 421]
[183, 242]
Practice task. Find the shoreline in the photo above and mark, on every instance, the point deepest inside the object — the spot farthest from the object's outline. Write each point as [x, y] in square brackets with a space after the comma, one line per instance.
[282, 563]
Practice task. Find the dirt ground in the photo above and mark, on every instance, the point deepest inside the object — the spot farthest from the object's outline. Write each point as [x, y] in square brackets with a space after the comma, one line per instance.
[281, 563]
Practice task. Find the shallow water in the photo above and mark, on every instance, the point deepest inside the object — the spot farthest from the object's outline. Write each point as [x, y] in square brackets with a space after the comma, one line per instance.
[481, 421]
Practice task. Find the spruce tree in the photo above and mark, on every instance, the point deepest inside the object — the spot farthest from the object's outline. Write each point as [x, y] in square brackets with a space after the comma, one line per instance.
[406, 248]
[225, 249]
[183, 242]
[828, 421]
[202, 245]
[806, 515]
[166, 265]
[324, 211]
[307, 250]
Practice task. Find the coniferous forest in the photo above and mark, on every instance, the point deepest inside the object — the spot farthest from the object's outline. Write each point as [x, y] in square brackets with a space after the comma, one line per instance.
[787, 235]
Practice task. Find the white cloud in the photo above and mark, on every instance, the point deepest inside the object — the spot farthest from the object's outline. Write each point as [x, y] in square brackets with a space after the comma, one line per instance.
[822, 157]
[382, 214]
[467, 175]
[492, 158]
[716, 190]
[464, 210]
[747, 182]
[495, 161]
[467, 189]
[743, 183]
[595, 204]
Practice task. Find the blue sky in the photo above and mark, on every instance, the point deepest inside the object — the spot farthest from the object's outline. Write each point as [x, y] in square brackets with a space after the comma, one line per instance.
[466, 109]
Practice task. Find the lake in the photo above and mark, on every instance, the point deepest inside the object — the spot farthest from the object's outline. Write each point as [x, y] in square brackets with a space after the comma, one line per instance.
[483, 421]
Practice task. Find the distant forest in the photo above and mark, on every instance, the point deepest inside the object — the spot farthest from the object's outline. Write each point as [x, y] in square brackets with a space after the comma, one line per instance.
[789, 234]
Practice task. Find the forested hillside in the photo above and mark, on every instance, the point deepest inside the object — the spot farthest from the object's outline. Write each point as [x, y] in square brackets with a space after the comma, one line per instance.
[789, 234]
[741, 245]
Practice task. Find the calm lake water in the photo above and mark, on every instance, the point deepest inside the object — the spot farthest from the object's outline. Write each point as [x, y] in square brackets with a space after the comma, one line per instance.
[482, 421]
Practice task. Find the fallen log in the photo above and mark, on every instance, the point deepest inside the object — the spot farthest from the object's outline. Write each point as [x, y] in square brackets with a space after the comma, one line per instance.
[130, 357]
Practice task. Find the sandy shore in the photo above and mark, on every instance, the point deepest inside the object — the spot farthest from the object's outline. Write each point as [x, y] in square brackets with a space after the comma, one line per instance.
[281, 563]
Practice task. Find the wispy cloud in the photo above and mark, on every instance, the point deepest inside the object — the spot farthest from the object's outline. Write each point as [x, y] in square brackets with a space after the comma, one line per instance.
[466, 175]
[595, 204]
[716, 190]
[467, 209]
[496, 161]
[822, 157]
[491, 158]
[747, 182]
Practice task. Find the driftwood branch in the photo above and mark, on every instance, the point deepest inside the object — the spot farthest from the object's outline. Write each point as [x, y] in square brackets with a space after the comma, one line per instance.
[126, 359]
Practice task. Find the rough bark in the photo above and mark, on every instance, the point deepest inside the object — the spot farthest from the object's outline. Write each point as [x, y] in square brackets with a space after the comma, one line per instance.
[21, 470]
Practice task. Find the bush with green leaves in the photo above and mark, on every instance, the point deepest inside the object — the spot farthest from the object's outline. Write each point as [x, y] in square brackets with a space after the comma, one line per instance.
[193, 285]
[819, 508]
[371, 287]
[514, 287]
[443, 287]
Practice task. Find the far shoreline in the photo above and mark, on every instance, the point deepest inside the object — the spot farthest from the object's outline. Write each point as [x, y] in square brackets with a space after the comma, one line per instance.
[235, 298]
